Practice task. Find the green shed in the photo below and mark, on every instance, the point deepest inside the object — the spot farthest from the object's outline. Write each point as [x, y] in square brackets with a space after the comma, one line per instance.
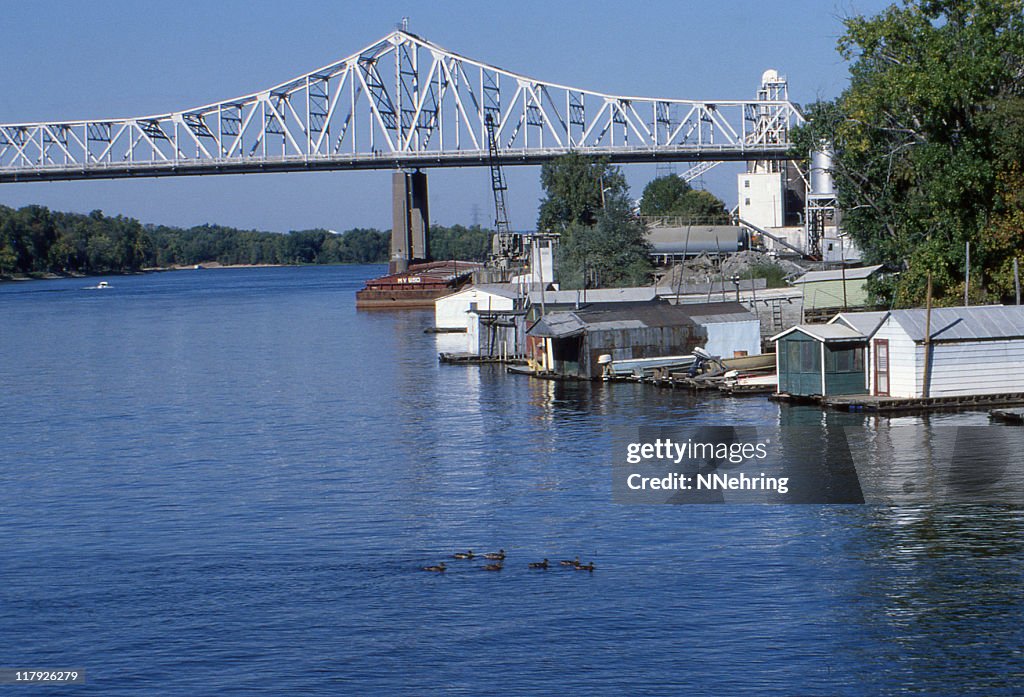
[821, 359]
[836, 288]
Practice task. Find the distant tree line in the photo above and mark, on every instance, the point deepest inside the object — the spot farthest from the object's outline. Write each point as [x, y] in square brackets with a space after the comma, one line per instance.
[35, 239]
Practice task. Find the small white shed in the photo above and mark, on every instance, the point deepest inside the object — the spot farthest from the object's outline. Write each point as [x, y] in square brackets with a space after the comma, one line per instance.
[973, 351]
[731, 328]
[453, 311]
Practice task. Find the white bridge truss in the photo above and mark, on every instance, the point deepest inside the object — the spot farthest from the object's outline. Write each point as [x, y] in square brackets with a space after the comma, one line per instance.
[402, 102]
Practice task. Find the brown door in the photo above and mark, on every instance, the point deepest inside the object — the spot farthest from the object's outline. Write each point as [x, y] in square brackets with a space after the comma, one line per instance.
[882, 367]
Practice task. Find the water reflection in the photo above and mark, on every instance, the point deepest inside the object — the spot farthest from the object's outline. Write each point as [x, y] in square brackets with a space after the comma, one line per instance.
[938, 596]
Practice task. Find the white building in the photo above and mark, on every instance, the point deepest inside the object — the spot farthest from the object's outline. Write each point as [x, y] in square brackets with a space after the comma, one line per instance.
[974, 351]
[453, 311]
[731, 329]
[458, 316]
[762, 198]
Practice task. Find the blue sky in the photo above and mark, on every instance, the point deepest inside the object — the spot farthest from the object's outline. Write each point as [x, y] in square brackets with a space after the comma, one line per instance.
[114, 59]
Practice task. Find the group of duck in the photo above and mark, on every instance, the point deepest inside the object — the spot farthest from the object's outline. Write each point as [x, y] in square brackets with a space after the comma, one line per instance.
[498, 562]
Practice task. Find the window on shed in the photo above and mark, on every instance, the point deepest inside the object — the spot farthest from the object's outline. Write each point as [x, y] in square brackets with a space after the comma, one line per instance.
[803, 357]
[849, 360]
[793, 356]
[809, 357]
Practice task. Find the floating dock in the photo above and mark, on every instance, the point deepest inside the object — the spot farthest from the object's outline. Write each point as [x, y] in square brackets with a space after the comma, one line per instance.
[474, 359]
[877, 404]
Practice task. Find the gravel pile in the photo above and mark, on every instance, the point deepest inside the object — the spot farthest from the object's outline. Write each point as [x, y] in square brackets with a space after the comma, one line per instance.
[704, 269]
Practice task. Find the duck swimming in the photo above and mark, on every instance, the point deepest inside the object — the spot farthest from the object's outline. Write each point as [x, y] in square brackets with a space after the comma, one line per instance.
[493, 567]
[570, 562]
[499, 555]
[438, 569]
[539, 564]
[468, 554]
[585, 567]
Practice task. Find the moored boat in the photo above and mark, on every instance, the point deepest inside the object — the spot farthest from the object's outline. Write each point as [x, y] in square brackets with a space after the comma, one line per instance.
[420, 286]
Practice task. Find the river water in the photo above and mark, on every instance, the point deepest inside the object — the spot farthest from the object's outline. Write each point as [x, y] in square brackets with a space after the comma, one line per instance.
[226, 482]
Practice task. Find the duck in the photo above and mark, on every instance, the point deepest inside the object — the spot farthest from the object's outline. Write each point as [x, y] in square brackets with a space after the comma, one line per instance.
[438, 569]
[499, 555]
[570, 562]
[585, 567]
[468, 554]
[493, 567]
[539, 564]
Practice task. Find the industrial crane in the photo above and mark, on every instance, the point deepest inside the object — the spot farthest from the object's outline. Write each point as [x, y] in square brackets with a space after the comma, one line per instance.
[507, 246]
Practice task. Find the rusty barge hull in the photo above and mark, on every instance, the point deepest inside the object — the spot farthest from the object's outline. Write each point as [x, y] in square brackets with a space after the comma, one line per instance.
[418, 287]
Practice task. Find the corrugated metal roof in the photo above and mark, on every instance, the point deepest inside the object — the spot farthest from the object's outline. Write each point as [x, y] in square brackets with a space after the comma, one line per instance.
[829, 333]
[637, 315]
[837, 274]
[504, 290]
[864, 322]
[593, 295]
[558, 325]
[977, 323]
[612, 325]
[717, 313]
[650, 314]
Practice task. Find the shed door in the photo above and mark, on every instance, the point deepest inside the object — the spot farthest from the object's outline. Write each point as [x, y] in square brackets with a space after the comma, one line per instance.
[882, 367]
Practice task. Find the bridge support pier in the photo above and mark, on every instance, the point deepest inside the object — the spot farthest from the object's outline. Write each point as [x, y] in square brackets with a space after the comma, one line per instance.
[410, 220]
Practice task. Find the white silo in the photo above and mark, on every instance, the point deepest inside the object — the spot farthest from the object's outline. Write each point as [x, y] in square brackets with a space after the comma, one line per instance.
[822, 184]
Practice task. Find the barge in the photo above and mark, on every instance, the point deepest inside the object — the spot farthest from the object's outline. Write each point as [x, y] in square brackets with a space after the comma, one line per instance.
[418, 287]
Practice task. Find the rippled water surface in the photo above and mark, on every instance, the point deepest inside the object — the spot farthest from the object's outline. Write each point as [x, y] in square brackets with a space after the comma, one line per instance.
[226, 482]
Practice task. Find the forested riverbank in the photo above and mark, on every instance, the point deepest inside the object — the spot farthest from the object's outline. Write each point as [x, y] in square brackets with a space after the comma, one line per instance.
[35, 241]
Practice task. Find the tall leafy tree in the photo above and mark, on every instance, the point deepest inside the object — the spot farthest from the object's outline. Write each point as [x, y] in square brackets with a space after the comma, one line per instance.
[671, 195]
[927, 141]
[575, 189]
[603, 244]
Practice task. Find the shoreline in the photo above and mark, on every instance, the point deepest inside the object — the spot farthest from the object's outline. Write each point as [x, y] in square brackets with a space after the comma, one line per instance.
[203, 266]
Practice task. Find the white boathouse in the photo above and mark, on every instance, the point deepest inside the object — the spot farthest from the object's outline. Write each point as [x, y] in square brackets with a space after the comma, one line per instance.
[972, 351]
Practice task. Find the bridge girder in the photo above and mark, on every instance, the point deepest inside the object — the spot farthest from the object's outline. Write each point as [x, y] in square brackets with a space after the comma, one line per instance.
[400, 102]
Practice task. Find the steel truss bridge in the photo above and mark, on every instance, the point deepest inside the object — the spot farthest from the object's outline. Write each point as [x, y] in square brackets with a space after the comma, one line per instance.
[401, 102]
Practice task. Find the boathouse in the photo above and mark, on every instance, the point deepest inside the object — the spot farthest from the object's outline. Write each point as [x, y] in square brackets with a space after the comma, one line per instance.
[571, 341]
[821, 359]
[826, 359]
[835, 289]
[976, 350]
[452, 312]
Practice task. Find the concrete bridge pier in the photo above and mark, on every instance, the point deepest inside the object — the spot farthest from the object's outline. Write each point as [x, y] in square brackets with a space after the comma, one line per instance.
[410, 220]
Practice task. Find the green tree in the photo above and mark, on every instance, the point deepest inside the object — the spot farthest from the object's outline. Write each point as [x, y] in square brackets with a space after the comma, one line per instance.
[8, 258]
[927, 141]
[459, 242]
[671, 195]
[576, 187]
[603, 244]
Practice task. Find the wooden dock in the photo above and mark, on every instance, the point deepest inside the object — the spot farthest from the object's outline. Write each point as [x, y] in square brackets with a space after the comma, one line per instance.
[699, 383]
[877, 404]
[474, 359]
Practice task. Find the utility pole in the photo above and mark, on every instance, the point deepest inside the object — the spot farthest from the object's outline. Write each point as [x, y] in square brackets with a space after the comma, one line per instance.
[967, 274]
[926, 388]
[1016, 279]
